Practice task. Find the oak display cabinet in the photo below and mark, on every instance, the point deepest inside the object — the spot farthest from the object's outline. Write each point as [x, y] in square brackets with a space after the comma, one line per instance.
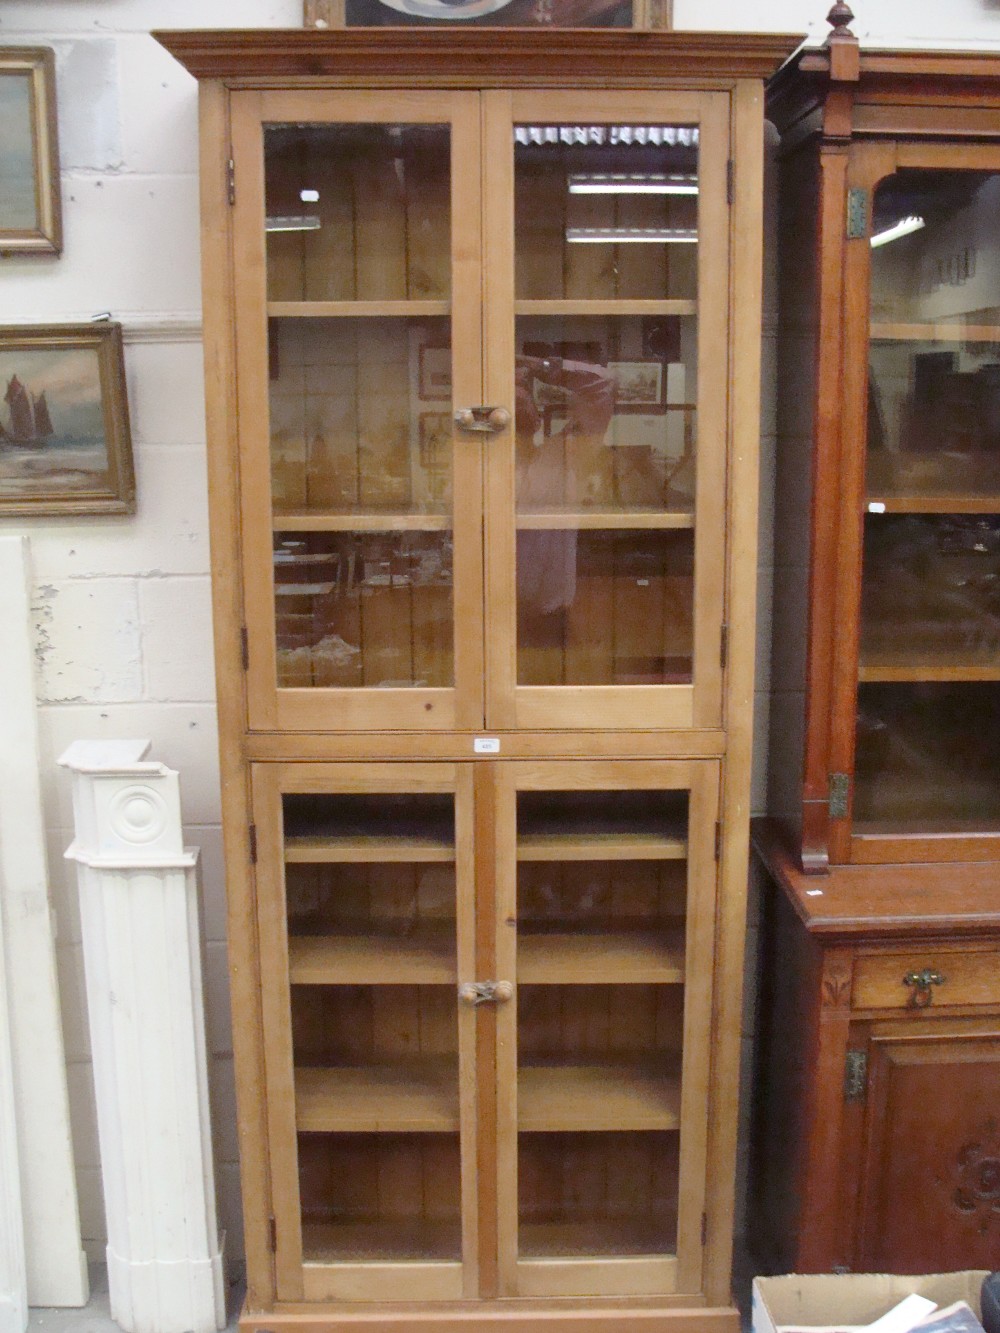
[480, 318]
[876, 1142]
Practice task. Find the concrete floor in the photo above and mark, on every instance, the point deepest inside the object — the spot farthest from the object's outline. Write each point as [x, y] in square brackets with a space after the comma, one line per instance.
[95, 1316]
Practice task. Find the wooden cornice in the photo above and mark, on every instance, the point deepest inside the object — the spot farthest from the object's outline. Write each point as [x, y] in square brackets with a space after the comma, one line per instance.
[797, 93]
[476, 58]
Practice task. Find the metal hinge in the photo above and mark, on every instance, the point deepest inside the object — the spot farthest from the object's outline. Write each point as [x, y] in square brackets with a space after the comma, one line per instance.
[253, 844]
[857, 214]
[245, 647]
[730, 181]
[704, 1228]
[855, 1076]
[231, 180]
[724, 647]
[272, 1234]
[718, 838]
[840, 790]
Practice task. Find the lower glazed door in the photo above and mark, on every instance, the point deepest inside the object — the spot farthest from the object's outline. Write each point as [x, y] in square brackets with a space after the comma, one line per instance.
[487, 993]
[604, 920]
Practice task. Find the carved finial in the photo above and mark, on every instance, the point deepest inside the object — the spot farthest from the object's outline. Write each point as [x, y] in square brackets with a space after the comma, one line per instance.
[839, 17]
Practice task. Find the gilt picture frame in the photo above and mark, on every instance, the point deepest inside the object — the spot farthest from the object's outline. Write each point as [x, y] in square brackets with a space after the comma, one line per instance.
[30, 204]
[65, 443]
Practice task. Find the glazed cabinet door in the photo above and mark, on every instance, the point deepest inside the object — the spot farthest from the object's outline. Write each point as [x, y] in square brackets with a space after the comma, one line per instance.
[606, 251]
[604, 924]
[365, 899]
[357, 281]
[919, 691]
[929, 1168]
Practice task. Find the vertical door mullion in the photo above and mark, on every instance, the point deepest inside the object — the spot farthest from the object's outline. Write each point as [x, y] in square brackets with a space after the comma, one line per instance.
[277, 1034]
[505, 862]
[466, 884]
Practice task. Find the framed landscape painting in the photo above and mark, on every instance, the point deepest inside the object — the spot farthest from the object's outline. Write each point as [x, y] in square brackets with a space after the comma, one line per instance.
[30, 212]
[65, 446]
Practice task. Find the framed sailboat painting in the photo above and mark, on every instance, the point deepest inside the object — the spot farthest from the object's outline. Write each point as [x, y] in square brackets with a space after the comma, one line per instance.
[65, 445]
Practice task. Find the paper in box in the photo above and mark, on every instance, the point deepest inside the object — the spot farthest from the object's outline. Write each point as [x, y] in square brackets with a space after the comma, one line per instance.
[831, 1302]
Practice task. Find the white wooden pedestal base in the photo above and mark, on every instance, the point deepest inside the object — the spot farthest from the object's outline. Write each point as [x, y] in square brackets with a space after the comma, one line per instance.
[142, 957]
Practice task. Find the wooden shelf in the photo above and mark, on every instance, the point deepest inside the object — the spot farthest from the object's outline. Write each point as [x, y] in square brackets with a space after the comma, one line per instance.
[604, 518]
[406, 1097]
[300, 520]
[355, 309]
[426, 957]
[388, 1241]
[596, 1097]
[600, 847]
[366, 847]
[610, 1237]
[639, 956]
[935, 504]
[609, 306]
[886, 671]
[941, 333]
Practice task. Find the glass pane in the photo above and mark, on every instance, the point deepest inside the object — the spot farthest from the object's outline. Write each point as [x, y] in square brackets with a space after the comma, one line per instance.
[370, 891]
[606, 211]
[928, 756]
[357, 212]
[601, 902]
[930, 606]
[360, 416]
[604, 607]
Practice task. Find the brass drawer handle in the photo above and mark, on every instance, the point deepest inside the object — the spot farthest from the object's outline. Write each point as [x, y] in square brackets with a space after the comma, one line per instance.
[485, 992]
[922, 982]
[490, 420]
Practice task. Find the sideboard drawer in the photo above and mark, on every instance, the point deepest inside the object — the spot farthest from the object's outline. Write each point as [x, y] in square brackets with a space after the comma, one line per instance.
[935, 978]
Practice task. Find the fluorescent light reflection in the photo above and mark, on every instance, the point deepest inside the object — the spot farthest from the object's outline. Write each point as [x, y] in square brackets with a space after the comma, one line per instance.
[309, 196]
[632, 235]
[902, 228]
[624, 183]
[305, 223]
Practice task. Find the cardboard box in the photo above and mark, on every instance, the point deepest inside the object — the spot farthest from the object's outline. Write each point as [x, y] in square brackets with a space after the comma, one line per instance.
[850, 1300]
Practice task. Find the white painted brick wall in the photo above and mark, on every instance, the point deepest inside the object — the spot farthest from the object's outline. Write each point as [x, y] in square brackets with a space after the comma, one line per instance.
[123, 623]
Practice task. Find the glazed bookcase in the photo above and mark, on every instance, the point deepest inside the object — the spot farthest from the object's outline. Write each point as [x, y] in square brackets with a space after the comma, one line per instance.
[481, 317]
[879, 1055]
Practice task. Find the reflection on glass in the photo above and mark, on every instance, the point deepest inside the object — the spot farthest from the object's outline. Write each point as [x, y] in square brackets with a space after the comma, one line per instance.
[606, 211]
[604, 607]
[370, 891]
[931, 595]
[361, 415]
[488, 13]
[927, 757]
[357, 212]
[363, 609]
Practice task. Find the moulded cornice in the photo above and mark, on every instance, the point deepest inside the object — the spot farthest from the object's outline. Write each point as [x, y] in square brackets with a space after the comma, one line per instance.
[480, 57]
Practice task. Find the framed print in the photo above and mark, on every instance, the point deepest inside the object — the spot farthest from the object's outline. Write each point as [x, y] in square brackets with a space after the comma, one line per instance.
[65, 446]
[434, 374]
[30, 210]
[640, 386]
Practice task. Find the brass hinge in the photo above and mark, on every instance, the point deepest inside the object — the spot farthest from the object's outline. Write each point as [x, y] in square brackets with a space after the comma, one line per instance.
[718, 838]
[855, 1076]
[253, 844]
[231, 181]
[730, 181]
[857, 214]
[245, 647]
[704, 1228]
[724, 646]
[840, 790]
[272, 1234]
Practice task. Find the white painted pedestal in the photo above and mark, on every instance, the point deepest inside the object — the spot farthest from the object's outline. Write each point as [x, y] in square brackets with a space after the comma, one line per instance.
[142, 957]
[13, 1276]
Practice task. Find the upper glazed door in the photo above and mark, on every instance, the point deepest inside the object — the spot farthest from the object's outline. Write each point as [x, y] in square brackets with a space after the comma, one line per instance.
[483, 407]
[607, 221]
[358, 304]
[920, 684]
